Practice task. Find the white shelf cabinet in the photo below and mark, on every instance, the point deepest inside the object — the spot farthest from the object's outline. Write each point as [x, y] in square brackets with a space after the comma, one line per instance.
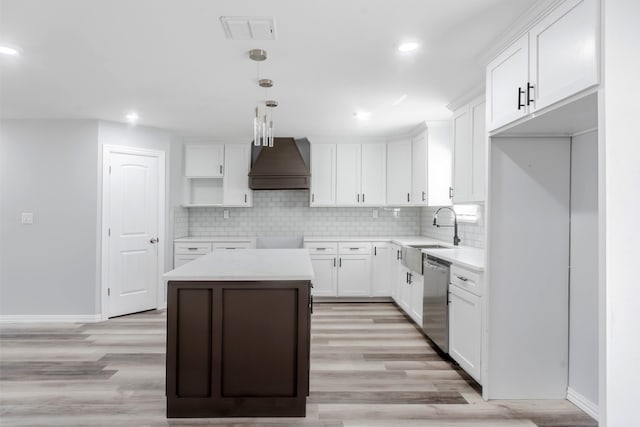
[323, 175]
[559, 57]
[469, 152]
[399, 173]
[465, 330]
[236, 192]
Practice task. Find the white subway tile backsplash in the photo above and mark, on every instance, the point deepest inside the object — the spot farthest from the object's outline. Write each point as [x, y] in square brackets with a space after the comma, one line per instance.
[470, 234]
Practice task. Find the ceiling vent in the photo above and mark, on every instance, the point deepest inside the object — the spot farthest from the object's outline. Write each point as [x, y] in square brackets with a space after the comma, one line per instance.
[249, 27]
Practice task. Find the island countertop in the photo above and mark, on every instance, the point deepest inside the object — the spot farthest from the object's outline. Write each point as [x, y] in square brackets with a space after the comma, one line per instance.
[246, 265]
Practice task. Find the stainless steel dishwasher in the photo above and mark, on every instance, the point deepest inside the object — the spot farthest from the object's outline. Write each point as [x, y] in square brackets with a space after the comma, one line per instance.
[435, 316]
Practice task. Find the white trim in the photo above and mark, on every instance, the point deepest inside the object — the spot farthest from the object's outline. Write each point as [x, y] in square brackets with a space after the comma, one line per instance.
[47, 318]
[106, 152]
[584, 132]
[583, 403]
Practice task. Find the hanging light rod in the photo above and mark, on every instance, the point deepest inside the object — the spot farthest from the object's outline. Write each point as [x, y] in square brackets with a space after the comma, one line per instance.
[265, 83]
[258, 54]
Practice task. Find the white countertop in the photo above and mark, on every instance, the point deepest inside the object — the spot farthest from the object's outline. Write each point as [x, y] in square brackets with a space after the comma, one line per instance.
[246, 265]
[465, 256]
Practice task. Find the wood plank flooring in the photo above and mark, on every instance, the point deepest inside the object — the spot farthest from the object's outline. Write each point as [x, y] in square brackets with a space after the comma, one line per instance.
[369, 367]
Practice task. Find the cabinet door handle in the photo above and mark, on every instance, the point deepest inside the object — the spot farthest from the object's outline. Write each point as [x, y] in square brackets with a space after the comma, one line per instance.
[410, 278]
[358, 196]
[451, 192]
[407, 279]
[408, 197]
[397, 254]
[220, 168]
[424, 196]
[340, 263]
[529, 89]
[375, 251]
[520, 93]
[313, 197]
[334, 262]
[362, 197]
[245, 198]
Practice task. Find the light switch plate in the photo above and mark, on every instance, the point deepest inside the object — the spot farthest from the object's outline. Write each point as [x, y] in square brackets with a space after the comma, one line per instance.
[27, 218]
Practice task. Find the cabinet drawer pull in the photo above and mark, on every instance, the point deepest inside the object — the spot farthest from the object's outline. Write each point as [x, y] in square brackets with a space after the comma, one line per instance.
[192, 249]
[353, 249]
[321, 249]
[529, 98]
[464, 279]
[520, 103]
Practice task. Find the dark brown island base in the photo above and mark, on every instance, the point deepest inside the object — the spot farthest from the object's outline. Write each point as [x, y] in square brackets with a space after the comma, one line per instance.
[239, 348]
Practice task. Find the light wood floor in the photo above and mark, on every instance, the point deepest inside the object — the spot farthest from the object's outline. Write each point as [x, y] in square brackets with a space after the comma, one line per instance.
[369, 367]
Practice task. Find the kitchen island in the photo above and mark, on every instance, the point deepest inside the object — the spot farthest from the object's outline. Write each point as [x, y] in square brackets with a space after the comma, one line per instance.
[238, 334]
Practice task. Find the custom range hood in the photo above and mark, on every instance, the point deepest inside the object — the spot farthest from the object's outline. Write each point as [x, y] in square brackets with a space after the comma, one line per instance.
[285, 166]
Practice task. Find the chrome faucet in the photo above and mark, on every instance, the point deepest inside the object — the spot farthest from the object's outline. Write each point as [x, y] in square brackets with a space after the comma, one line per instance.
[456, 239]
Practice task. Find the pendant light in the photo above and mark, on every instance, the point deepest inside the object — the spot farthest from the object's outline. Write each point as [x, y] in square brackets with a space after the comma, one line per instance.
[263, 133]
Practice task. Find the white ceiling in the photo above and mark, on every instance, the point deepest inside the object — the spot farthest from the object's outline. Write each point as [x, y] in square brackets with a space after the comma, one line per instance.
[171, 62]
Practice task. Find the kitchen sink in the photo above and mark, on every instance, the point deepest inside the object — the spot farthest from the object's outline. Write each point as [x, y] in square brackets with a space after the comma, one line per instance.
[412, 256]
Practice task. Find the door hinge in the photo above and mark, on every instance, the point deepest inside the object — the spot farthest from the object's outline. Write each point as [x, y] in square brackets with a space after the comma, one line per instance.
[108, 292]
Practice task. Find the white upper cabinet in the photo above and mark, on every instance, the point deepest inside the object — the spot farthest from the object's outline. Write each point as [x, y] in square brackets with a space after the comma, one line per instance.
[469, 158]
[360, 174]
[399, 173]
[564, 51]
[237, 160]
[439, 151]
[419, 184]
[373, 178]
[507, 78]
[557, 58]
[348, 174]
[204, 161]
[323, 174]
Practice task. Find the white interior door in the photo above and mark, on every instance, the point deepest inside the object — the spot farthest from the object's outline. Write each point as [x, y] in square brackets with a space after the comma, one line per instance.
[133, 210]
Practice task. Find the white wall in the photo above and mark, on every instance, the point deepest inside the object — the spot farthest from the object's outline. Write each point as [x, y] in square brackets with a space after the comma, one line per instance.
[527, 281]
[583, 285]
[622, 204]
[48, 167]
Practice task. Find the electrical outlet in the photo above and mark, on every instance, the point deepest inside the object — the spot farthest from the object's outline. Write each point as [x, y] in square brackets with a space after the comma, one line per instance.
[27, 218]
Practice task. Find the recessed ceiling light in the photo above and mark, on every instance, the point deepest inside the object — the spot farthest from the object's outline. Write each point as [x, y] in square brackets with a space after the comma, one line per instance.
[132, 117]
[9, 50]
[408, 47]
[362, 115]
[399, 100]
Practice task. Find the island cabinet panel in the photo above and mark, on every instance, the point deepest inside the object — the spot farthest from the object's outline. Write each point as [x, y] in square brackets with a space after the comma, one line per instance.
[248, 328]
[193, 371]
[237, 349]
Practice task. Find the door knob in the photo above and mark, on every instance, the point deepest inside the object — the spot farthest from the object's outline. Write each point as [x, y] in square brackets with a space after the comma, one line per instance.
[154, 240]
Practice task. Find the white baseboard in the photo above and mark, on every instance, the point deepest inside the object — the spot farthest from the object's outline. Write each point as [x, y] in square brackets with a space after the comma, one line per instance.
[583, 403]
[48, 318]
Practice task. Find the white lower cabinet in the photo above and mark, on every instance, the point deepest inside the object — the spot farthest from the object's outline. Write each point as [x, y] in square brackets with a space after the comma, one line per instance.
[341, 269]
[354, 275]
[394, 270]
[416, 292]
[325, 279]
[381, 270]
[184, 252]
[465, 330]
[404, 290]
